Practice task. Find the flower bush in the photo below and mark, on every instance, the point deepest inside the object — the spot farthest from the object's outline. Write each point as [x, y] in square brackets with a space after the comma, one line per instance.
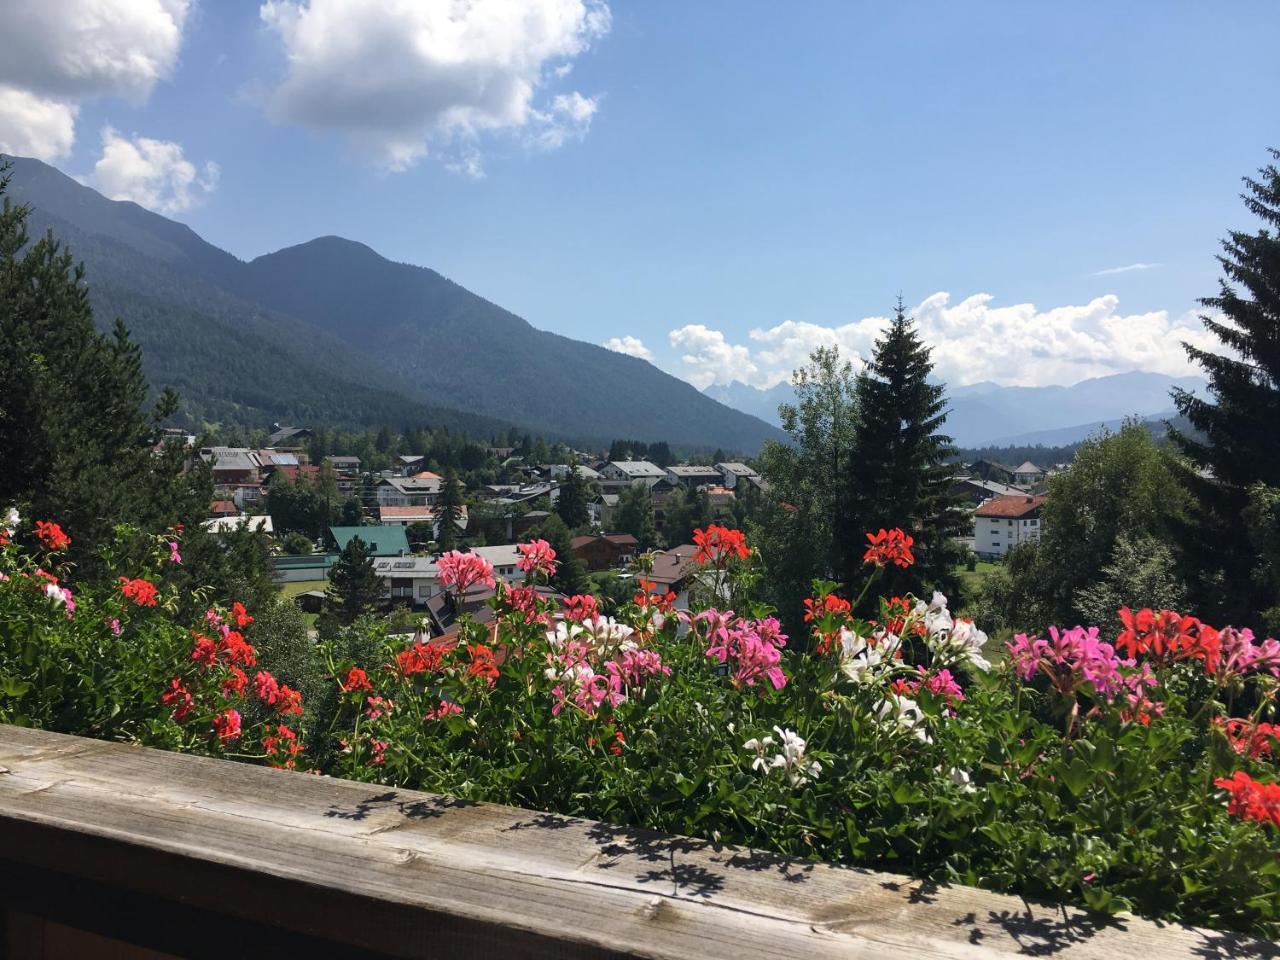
[1127, 773]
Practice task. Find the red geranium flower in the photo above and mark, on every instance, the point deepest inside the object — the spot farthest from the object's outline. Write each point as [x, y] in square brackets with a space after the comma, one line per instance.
[290, 701]
[179, 699]
[1250, 799]
[356, 679]
[227, 724]
[889, 546]
[141, 592]
[420, 658]
[266, 687]
[717, 544]
[482, 663]
[51, 535]
[240, 615]
[235, 683]
[204, 651]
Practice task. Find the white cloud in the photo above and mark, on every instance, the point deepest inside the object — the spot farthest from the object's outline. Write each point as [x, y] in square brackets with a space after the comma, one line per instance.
[399, 77]
[56, 54]
[32, 126]
[971, 340]
[712, 357]
[153, 173]
[631, 346]
[1128, 268]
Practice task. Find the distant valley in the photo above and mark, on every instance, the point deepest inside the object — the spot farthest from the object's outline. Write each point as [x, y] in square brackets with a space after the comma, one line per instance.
[987, 414]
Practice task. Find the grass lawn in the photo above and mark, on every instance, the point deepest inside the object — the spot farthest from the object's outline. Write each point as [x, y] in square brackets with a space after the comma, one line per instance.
[972, 579]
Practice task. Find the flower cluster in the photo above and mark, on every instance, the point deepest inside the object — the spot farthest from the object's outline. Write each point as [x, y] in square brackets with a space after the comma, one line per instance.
[717, 545]
[1252, 739]
[1167, 636]
[797, 768]
[138, 591]
[462, 571]
[889, 546]
[536, 557]
[751, 648]
[1250, 799]
[1078, 659]
[52, 536]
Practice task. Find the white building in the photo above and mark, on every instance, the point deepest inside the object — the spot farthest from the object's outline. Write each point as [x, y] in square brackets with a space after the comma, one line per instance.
[685, 475]
[630, 472]
[1028, 475]
[733, 472]
[1005, 522]
[420, 490]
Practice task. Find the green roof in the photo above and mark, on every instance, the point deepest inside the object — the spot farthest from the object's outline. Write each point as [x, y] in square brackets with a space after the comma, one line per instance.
[381, 541]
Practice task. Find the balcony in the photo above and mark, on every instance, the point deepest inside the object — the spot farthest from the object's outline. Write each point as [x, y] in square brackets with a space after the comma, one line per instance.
[113, 851]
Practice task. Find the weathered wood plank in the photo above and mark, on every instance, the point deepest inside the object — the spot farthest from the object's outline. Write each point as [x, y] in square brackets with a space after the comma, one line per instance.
[407, 874]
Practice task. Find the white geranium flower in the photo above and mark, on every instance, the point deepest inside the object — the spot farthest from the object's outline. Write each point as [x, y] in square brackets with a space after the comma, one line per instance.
[961, 779]
[862, 662]
[11, 520]
[563, 633]
[936, 616]
[792, 760]
[905, 713]
[760, 746]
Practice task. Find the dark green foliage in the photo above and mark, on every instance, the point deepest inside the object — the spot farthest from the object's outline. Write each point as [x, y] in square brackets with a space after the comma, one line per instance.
[354, 588]
[686, 511]
[75, 437]
[635, 515]
[571, 575]
[301, 507]
[658, 453]
[899, 474]
[450, 512]
[571, 505]
[1239, 442]
[297, 544]
[1121, 489]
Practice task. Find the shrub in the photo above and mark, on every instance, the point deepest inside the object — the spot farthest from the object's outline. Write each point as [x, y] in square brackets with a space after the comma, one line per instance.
[1129, 772]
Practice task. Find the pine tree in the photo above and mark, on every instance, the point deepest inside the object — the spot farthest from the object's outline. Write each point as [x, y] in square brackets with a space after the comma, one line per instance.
[450, 512]
[898, 474]
[354, 586]
[1238, 447]
[571, 505]
[76, 439]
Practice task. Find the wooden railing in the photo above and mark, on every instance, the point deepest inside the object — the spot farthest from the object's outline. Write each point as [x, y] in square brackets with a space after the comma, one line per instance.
[108, 850]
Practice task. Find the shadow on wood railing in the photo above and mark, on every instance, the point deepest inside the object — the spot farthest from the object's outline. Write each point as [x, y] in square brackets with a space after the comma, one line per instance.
[108, 850]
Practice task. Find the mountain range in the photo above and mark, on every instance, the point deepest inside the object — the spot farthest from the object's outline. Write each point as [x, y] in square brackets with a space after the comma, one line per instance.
[331, 332]
[988, 414]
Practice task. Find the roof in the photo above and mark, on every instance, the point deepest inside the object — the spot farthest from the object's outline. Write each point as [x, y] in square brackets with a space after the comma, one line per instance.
[638, 468]
[418, 484]
[617, 539]
[405, 567]
[230, 458]
[288, 433]
[688, 470]
[1028, 467]
[991, 487]
[671, 566]
[1010, 508]
[426, 475]
[739, 469]
[223, 507]
[274, 458]
[503, 555]
[343, 460]
[416, 513]
[381, 541]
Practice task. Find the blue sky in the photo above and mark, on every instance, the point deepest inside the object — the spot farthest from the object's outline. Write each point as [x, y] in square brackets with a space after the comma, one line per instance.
[726, 183]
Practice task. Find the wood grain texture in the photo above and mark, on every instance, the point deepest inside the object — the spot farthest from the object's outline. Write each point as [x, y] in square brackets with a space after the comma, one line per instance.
[396, 873]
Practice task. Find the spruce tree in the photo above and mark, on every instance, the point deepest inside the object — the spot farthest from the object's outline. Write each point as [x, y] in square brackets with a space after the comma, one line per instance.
[449, 512]
[897, 473]
[1235, 454]
[571, 505]
[354, 586]
[76, 438]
